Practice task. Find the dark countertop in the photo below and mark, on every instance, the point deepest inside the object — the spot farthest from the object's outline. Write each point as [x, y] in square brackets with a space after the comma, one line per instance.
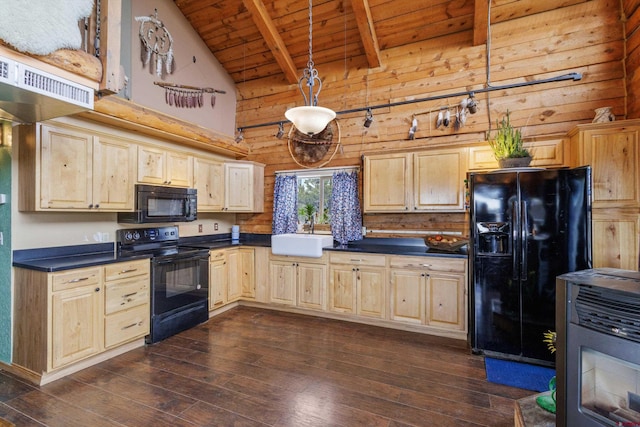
[69, 257]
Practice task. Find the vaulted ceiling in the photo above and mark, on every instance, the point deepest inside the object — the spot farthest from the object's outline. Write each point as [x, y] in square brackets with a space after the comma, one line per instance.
[255, 39]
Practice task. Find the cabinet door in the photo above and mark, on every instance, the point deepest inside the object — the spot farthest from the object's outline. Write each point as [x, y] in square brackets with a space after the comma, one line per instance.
[65, 176]
[218, 279]
[151, 165]
[113, 174]
[76, 324]
[446, 301]
[613, 156]
[342, 288]
[282, 277]
[387, 183]
[234, 263]
[408, 296]
[208, 179]
[247, 272]
[311, 285]
[370, 291]
[179, 170]
[438, 179]
[615, 239]
[239, 187]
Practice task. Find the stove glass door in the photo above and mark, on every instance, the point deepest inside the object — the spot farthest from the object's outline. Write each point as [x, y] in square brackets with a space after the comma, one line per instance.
[178, 282]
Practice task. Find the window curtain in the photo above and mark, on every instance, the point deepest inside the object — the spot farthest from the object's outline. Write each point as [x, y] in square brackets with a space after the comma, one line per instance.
[346, 217]
[285, 200]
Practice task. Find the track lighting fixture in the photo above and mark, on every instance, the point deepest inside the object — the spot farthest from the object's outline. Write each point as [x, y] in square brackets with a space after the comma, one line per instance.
[368, 119]
[413, 128]
[280, 133]
[239, 137]
[472, 105]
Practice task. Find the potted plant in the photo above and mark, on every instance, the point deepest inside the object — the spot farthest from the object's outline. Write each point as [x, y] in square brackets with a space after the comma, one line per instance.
[507, 145]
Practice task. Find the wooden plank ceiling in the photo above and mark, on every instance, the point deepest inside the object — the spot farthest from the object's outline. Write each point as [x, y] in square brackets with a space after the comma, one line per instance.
[255, 39]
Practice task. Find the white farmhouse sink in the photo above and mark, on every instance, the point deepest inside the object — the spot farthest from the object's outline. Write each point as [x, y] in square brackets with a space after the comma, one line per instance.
[309, 245]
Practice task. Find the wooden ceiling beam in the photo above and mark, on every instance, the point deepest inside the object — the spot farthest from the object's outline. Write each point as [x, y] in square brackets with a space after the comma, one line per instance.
[480, 22]
[270, 33]
[367, 30]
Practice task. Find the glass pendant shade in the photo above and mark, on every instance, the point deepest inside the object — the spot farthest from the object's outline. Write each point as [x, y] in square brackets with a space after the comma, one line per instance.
[310, 119]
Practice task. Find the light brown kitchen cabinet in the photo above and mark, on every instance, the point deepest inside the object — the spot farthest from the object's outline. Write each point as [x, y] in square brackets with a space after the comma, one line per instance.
[544, 153]
[425, 181]
[242, 281]
[66, 317]
[298, 281]
[357, 284]
[159, 166]
[68, 168]
[611, 149]
[127, 302]
[244, 186]
[218, 278]
[429, 291]
[208, 180]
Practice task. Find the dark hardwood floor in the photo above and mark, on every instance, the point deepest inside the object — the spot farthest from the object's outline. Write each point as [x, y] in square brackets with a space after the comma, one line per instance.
[254, 367]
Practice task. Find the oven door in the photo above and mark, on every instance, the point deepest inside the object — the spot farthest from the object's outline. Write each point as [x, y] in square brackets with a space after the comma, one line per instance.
[179, 281]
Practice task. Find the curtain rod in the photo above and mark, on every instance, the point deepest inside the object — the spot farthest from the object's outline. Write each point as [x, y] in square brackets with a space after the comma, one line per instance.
[570, 76]
[301, 172]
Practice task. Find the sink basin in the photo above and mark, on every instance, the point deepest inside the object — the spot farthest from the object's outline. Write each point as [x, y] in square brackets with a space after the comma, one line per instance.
[309, 245]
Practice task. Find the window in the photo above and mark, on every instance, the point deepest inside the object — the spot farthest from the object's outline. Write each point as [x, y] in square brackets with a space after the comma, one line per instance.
[314, 198]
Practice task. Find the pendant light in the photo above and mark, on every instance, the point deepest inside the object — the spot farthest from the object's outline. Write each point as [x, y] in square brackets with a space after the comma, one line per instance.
[310, 119]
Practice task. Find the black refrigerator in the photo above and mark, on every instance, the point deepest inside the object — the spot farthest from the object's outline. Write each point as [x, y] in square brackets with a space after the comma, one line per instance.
[528, 226]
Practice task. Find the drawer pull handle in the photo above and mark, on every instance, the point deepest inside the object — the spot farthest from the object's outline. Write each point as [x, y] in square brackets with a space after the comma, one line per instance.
[132, 325]
[356, 260]
[131, 270]
[426, 265]
[129, 295]
[79, 279]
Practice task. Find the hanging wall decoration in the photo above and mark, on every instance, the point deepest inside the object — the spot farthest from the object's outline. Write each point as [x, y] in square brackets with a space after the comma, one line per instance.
[314, 151]
[156, 39]
[185, 96]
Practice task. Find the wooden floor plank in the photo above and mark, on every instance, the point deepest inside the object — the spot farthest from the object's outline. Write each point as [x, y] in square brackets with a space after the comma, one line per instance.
[251, 367]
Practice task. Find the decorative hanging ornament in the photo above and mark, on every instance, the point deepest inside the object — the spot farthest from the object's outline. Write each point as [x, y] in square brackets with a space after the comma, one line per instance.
[156, 40]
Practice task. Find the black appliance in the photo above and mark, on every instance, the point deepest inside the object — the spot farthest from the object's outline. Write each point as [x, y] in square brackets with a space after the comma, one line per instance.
[528, 226]
[179, 278]
[156, 204]
[598, 348]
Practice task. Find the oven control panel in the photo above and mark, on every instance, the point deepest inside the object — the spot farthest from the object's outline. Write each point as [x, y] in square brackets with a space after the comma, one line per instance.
[130, 236]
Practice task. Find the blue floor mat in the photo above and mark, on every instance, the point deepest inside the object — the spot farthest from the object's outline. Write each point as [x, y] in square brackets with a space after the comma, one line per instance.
[516, 374]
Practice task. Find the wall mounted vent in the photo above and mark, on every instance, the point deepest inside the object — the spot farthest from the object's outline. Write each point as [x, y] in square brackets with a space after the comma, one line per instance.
[31, 95]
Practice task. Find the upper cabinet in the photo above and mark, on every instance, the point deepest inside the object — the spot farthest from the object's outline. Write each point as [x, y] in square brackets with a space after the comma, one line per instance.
[208, 180]
[159, 166]
[68, 168]
[547, 153]
[425, 181]
[244, 186]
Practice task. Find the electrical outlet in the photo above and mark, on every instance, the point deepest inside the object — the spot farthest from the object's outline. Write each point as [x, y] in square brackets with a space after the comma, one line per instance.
[199, 228]
[215, 226]
[1, 238]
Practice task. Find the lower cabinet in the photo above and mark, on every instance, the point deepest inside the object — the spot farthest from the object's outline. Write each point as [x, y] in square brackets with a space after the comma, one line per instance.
[298, 281]
[231, 275]
[64, 317]
[429, 291]
[357, 284]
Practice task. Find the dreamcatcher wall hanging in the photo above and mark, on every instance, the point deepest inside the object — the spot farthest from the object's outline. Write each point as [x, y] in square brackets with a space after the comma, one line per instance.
[156, 40]
[314, 151]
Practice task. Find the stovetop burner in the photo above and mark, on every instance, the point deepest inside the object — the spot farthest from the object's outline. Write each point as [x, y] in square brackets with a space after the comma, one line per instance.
[154, 241]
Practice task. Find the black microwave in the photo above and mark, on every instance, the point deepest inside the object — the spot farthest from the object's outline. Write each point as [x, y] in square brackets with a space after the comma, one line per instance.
[155, 204]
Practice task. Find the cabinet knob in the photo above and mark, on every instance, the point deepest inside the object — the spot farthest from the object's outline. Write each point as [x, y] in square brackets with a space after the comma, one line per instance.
[97, 206]
[91, 206]
[97, 289]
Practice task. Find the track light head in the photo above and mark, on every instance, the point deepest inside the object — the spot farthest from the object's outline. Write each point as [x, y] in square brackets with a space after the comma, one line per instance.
[368, 118]
[240, 137]
[280, 132]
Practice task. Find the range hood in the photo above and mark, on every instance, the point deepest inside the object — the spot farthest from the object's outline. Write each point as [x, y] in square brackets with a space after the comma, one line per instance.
[30, 95]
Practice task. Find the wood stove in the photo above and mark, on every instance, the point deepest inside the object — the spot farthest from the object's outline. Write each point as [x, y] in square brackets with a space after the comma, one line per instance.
[598, 348]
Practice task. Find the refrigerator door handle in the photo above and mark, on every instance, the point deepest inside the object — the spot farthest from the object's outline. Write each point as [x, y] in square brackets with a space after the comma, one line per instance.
[523, 241]
[515, 227]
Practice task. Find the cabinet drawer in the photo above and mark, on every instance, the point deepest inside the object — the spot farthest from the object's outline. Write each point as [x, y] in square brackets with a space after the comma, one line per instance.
[122, 270]
[304, 259]
[75, 278]
[126, 325]
[217, 255]
[429, 263]
[125, 294]
[356, 258]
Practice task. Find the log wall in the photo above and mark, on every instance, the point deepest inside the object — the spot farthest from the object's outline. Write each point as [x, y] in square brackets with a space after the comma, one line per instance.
[632, 63]
[587, 38]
